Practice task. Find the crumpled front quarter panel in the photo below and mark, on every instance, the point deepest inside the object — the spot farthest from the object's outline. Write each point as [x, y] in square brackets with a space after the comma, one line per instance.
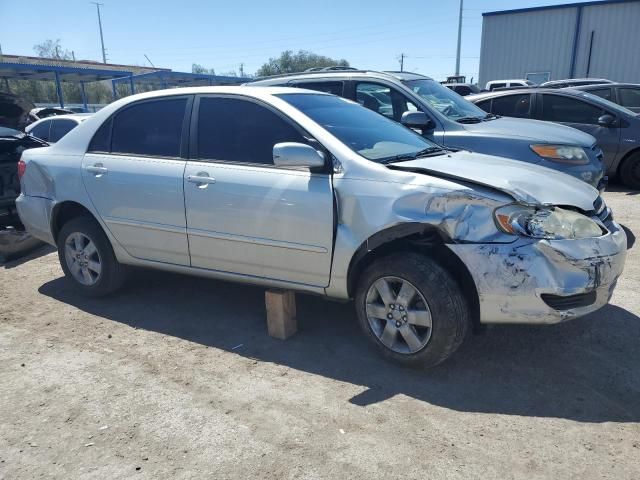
[367, 206]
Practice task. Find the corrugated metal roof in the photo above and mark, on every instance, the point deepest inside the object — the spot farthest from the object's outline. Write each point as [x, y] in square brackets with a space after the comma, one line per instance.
[552, 7]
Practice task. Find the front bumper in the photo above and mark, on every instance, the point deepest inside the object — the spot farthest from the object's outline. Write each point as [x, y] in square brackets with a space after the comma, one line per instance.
[523, 281]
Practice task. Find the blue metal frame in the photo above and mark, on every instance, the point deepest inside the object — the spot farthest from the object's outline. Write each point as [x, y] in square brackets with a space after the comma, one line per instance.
[553, 7]
[170, 78]
[59, 74]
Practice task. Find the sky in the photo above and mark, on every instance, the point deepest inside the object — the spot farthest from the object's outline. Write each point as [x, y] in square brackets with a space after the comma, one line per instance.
[175, 34]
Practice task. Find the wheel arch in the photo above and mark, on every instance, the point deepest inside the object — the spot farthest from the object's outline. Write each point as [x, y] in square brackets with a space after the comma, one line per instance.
[64, 211]
[421, 238]
[626, 157]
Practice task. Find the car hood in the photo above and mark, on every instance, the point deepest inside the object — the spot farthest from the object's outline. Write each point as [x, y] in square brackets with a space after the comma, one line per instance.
[14, 111]
[534, 130]
[524, 182]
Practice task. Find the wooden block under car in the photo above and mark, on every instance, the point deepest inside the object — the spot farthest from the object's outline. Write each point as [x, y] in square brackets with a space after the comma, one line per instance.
[281, 313]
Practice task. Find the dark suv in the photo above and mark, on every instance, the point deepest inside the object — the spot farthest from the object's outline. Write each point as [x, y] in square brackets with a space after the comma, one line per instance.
[445, 117]
[616, 129]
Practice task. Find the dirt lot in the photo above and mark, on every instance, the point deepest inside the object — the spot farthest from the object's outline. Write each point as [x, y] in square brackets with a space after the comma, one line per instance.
[176, 378]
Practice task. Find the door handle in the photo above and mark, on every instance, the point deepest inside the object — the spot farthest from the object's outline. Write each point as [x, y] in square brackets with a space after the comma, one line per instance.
[98, 169]
[202, 179]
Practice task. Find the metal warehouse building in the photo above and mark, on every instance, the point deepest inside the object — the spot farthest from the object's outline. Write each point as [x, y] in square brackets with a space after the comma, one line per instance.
[590, 39]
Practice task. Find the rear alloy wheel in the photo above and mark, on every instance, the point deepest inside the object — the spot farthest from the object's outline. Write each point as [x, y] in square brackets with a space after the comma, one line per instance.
[412, 309]
[87, 258]
[630, 171]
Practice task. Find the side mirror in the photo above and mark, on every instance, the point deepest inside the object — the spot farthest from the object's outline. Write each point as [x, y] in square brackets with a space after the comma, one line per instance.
[606, 120]
[292, 154]
[417, 120]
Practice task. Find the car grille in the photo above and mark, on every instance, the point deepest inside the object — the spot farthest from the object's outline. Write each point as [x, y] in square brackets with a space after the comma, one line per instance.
[567, 302]
[598, 152]
[601, 210]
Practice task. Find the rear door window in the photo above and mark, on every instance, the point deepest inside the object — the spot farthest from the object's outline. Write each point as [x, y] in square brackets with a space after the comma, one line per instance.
[236, 130]
[152, 128]
[42, 130]
[59, 128]
[512, 105]
[629, 97]
[558, 108]
[601, 92]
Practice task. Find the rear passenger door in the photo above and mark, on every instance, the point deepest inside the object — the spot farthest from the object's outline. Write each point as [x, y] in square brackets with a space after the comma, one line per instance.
[245, 215]
[584, 116]
[133, 174]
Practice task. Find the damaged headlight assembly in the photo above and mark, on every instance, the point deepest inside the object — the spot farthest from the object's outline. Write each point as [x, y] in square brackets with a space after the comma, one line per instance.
[548, 223]
[562, 153]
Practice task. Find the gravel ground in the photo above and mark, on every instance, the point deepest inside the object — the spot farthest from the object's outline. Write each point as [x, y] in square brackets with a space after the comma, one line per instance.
[175, 377]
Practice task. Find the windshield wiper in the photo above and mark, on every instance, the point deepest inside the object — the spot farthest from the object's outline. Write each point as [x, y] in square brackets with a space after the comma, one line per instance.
[429, 151]
[491, 116]
[469, 120]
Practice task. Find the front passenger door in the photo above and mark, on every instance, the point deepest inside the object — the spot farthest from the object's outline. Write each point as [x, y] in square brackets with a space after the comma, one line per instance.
[245, 215]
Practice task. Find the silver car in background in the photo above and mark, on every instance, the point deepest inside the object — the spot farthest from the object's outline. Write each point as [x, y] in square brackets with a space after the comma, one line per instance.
[311, 192]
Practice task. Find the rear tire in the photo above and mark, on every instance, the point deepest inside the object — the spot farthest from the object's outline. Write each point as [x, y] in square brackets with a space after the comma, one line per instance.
[420, 317]
[630, 171]
[87, 258]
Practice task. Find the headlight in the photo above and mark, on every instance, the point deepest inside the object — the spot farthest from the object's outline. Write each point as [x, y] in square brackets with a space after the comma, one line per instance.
[549, 223]
[562, 153]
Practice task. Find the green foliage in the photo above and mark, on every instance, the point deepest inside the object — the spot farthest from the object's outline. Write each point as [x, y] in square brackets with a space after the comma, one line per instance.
[290, 62]
[52, 49]
[197, 68]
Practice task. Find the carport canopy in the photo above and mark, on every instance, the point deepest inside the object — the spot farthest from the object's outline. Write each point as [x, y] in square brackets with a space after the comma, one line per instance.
[170, 79]
[59, 74]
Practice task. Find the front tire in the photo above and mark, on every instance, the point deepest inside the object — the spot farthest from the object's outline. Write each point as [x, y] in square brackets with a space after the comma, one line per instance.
[630, 171]
[412, 309]
[87, 258]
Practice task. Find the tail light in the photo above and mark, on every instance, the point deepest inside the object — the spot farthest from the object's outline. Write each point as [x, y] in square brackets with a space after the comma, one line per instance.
[22, 167]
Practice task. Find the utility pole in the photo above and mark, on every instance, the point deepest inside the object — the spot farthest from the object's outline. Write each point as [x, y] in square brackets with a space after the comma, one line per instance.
[150, 62]
[401, 58]
[104, 55]
[459, 38]
[242, 69]
[73, 55]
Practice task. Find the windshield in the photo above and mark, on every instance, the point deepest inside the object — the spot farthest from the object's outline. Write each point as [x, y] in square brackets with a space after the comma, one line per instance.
[368, 133]
[608, 104]
[447, 102]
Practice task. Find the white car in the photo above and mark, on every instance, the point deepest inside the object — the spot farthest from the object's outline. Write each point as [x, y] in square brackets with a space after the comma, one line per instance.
[493, 84]
[302, 190]
[52, 129]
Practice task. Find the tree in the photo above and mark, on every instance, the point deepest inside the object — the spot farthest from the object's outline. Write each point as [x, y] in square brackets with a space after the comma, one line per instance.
[290, 62]
[52, 49]
[197, 68]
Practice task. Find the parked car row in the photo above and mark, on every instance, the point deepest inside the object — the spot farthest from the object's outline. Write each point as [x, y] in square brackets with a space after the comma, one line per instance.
[448, 119]
[302, 190]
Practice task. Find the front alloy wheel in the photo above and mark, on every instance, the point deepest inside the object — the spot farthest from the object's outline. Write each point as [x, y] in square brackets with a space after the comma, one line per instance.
[412, 309]
[398, 315]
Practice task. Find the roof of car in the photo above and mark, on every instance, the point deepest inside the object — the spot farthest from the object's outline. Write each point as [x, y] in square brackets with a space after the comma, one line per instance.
[569, 80]
[600, 85]
[340, 74]
[515, 91]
